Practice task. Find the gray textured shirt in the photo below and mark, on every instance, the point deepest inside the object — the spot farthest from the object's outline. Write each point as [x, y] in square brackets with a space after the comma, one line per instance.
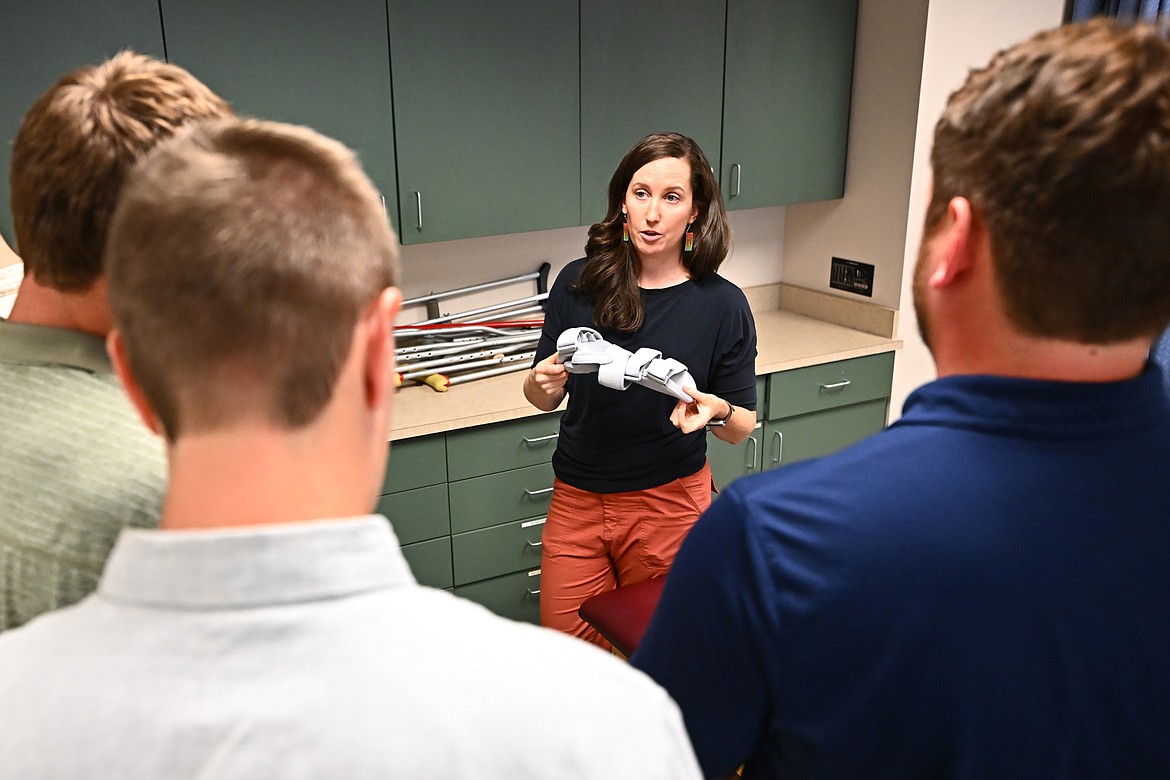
[309, 651]
[76, 466]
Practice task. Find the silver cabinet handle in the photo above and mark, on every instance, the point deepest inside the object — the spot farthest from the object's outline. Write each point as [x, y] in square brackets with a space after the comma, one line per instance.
[532, 592]
[533, 544]
[384, 209]
[736, 177]
[418, 207]
[537, 492]
[836, 385]
[751, 466]
[779, 448]
[538, 439]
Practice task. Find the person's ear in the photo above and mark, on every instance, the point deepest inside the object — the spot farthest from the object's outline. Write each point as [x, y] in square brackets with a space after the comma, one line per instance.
[116, 347]
[379, 362]
[953, 244]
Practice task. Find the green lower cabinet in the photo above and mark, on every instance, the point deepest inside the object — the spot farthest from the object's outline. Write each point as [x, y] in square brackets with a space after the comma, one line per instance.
[502, 549]
[729, 462]
[514, 596]
[820, 433]
[431, 562]
[415, 463]
[419, 514]
[489, 449]
[481, 502]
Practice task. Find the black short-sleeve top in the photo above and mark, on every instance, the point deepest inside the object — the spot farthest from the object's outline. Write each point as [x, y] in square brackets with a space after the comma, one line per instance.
[614, 441]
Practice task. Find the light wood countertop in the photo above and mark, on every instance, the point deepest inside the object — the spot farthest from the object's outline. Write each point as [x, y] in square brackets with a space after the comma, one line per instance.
[794, 327]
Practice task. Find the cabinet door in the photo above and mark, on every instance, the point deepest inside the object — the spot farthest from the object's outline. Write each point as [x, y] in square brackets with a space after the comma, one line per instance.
[417, 515]
[501, 549]
[787, 84]
[729, 462]
[821, 433]
[414, 463]
[430, 562]
[487, 109]
[42, 41]
[647, 66]
[322, 65]
[493, 499]
[514, 596]
[827, 385]
[487, 449]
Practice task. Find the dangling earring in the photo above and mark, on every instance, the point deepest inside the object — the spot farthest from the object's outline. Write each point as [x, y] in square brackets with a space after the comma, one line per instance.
[625, 232]
[689, 242]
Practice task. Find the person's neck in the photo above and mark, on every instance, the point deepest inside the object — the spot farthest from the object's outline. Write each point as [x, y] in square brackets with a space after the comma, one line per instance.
[255, 475]
[658, 272]
[1030, 357]
[87, 311]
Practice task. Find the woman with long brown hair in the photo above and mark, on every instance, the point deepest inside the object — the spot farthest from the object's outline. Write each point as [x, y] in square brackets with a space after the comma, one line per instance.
[631, 468]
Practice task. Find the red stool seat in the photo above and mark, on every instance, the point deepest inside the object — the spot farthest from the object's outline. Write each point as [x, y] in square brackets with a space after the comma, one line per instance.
[622, 614]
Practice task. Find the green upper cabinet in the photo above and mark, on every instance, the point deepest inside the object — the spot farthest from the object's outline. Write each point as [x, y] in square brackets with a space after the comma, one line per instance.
[487, 110]
[647, 66]
[299, 61]
[42, 41]
[787, 85]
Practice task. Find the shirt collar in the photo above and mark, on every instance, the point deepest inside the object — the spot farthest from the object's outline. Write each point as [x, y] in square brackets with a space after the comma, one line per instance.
[256, 566]
[1008, 405]
[40, 345]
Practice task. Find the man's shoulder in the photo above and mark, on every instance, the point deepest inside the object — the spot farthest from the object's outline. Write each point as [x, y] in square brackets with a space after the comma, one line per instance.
[56, 410]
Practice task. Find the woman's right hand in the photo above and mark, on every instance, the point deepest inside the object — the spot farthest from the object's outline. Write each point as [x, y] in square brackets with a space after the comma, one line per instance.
[545, 386]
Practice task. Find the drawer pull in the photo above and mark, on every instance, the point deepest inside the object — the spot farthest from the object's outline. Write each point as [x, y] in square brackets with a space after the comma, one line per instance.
[836, 385]
[540, 492]
[534, 544]
[778, 448]
[532, 592]
[751, 464]
[539, 439]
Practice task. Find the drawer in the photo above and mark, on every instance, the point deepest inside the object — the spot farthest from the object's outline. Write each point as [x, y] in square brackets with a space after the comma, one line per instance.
[501, 549]
[500, 498]
[419, 514]
[821, 433]
[415, 463]
[503, 446]
[431, 562]
[514, 596]
[729, 462]
[829, 385]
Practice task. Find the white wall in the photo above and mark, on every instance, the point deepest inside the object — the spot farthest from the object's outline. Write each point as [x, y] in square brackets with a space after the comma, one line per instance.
[757, 235]
[869, 223]
[960, 35]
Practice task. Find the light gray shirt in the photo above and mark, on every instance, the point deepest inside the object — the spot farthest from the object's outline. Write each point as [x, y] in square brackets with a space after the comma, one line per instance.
[309, 651]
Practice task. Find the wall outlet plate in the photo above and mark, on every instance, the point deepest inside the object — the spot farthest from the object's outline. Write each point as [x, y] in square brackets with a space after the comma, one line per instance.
[851, 276]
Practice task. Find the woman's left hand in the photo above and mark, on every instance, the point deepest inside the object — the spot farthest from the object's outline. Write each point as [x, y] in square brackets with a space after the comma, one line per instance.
[693, 416]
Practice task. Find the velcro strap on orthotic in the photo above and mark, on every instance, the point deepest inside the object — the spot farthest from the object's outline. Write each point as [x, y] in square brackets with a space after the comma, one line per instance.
[612, 373]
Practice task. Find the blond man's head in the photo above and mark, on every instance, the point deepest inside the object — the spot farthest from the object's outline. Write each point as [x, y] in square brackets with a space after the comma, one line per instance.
[241, 256]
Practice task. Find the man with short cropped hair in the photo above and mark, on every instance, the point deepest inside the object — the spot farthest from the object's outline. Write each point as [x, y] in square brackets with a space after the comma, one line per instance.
[271, 627]
[77, 464]
[979, 591]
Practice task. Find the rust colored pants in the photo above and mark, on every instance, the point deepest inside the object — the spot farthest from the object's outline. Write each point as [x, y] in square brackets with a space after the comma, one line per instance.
[594, 542]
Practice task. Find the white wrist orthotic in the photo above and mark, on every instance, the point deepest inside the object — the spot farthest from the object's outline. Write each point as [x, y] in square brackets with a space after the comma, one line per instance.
[583, 351]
